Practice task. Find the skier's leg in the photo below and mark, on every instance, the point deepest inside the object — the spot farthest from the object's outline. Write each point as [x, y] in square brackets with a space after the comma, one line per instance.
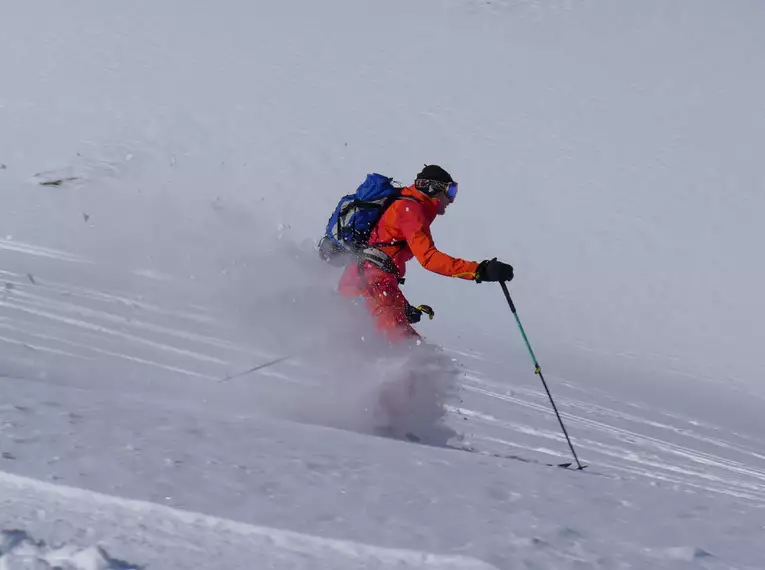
[387, 305]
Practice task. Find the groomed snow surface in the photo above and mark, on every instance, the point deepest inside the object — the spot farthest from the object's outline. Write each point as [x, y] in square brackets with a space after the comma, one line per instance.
[166, 169]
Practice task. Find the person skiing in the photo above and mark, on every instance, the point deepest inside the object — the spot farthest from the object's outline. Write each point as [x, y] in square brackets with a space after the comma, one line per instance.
[403, 233]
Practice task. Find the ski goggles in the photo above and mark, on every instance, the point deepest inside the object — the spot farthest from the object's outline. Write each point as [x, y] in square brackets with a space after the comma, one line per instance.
[451, 191]
[432, 187]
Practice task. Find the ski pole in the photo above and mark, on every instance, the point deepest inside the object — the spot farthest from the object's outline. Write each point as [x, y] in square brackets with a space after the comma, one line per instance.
[273, 361]
[538, 370]
[256, 368]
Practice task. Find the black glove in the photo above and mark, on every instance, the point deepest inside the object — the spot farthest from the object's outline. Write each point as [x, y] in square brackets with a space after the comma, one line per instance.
[414, 314]
[493, 270]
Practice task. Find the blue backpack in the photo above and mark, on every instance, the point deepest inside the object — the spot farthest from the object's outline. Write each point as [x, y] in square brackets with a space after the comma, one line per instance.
[355, 216]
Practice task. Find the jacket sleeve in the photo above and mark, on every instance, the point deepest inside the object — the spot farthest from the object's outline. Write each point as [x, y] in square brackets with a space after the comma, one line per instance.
[416, 230]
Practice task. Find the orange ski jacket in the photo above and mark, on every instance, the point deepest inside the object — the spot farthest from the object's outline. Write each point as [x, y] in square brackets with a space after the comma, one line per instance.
[403, 232]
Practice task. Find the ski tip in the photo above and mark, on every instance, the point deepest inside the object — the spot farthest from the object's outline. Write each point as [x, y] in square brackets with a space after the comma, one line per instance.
[580, 467]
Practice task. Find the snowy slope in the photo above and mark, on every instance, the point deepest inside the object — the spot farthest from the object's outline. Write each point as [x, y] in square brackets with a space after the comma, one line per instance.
[165, 169]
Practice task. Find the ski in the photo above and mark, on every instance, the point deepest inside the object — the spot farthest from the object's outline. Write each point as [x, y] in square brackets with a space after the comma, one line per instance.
[413, 438]
[567, 465]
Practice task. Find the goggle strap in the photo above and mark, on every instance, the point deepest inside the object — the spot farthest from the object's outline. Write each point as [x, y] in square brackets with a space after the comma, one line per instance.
[431, 186]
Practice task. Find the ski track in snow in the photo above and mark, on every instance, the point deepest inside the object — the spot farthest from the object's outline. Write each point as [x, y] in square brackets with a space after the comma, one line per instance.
[73, 322]
[70, 320]
[46, 252]
[630, 452]
[49, 324]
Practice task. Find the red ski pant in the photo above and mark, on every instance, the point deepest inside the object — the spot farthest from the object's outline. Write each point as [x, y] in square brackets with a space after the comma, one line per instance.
[387, 305]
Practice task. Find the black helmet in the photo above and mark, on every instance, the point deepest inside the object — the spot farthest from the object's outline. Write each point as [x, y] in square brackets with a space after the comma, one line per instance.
[434, 172]
[434, 179]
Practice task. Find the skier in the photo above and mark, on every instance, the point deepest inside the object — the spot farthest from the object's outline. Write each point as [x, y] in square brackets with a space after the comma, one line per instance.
[403, 232]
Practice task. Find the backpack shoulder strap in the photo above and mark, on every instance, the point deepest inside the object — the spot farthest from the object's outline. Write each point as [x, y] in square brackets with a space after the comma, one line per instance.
[398, 243]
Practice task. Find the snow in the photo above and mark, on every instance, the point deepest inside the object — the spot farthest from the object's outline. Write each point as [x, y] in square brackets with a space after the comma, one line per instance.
[19, 551]
[192, 539]
[166, 169]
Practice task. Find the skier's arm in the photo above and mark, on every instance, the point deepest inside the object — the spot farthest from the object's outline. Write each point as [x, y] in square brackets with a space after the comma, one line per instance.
[417, 234]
